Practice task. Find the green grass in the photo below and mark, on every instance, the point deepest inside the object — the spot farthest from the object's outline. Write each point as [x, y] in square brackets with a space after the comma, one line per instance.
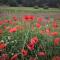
[28, 9]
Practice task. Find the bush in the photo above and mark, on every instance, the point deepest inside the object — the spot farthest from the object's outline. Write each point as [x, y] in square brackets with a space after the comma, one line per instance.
[36, 7]
[12, 3]
[45, 7]
[58, 5]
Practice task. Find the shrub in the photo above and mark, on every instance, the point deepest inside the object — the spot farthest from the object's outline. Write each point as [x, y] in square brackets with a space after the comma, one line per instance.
[36, 7]
[45, 7]
[12, 3]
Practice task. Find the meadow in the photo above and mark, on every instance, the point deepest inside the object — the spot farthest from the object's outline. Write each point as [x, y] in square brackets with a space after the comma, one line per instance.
[28, 9]
[29, 34]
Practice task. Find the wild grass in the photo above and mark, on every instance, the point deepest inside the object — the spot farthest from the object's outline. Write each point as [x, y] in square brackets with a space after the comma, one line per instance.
[28, 9]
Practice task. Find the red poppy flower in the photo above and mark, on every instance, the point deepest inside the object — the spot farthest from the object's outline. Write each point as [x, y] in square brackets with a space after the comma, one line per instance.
[6, 21]
[41, 54]
[5, 57]
[24, 52]
[2, 45]
[56, 58]
[34, 40]
[7, 27]
[14, 57]
[32, 58]
[38, 25]
[15, 18]
[30, 46]
[47, 30]
[42, 32]
[28, 18]
[1, 22]
[55, 24]
[56, 41]
[13, 30]
[31, 17]
[54, 33]
[10, 22]
[1, 51]
[1, 58]
[40, 19]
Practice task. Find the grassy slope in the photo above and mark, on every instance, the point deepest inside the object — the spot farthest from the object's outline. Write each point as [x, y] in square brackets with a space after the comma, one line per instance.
[27, 9]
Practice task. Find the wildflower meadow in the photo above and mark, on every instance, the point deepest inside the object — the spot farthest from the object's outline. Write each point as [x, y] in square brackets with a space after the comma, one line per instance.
[29, 38]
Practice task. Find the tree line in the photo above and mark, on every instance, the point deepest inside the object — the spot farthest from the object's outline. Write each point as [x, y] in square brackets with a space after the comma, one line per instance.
[30, 3]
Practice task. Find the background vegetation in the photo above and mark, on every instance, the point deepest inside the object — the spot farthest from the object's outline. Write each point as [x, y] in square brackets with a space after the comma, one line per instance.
[40, 3]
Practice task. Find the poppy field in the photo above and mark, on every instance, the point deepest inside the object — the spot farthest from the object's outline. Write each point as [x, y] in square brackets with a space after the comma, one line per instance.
[29, 38]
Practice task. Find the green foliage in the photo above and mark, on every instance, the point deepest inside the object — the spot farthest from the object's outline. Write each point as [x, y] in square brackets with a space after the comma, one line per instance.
[45, 7]
[36, 7]
[18, 40]
[12, 2]
[50, 3]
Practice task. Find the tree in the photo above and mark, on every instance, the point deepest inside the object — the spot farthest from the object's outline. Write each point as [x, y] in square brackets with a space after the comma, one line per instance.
[27, 2]
[19, 1]
[3, 1]
[12, 2]
[51, 3]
